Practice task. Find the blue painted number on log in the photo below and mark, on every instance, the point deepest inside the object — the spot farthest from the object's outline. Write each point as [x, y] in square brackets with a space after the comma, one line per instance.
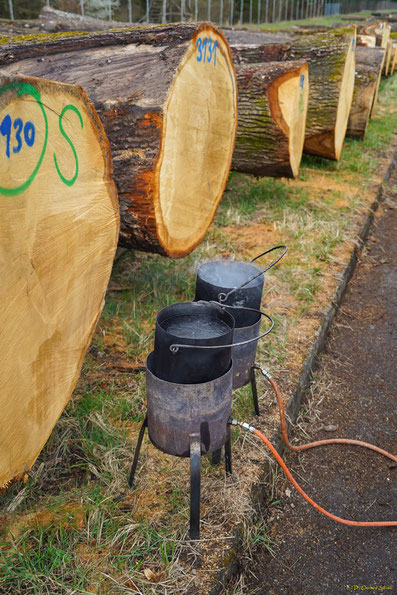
[28, 133]
[202, 45]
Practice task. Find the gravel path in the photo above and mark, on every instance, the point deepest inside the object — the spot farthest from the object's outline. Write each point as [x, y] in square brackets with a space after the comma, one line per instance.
[356, 390]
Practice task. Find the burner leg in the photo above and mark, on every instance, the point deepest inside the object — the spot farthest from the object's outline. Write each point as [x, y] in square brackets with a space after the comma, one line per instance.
[195, 484]
[137, 451]
[216, 457]
[228, 455]
[254, 391]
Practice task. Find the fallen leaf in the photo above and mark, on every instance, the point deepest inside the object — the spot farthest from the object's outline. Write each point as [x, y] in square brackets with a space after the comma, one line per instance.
[152, 575]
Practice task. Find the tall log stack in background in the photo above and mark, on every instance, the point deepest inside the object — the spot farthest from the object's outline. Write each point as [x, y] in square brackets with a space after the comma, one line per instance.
[167, 98]
[369, 62]
[59, 225]
[272, 108]
[380, 30]
[368, 41]
[330, 57]
[54, 21]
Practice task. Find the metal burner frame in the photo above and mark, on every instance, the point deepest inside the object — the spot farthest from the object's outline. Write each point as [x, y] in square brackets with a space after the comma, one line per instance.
[195, 473]
[188, 420]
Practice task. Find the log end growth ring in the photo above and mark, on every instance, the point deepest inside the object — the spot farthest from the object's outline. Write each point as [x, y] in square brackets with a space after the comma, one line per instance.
[293, 97]
[335, 100]
[199, 126]
[345, 100]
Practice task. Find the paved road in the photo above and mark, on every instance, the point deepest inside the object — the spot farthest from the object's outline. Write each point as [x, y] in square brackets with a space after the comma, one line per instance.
[358, 380]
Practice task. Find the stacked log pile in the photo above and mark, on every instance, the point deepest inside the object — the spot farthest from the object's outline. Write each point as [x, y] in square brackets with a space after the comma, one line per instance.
[167, 98]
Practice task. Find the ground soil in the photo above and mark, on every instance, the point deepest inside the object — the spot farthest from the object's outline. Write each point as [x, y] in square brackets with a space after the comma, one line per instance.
[355, 397]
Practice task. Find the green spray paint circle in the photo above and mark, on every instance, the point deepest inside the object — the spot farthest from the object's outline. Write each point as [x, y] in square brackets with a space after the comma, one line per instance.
[27, 89]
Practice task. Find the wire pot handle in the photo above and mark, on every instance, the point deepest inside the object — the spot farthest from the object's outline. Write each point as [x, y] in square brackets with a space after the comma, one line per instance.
[222, 297]
[174, 348]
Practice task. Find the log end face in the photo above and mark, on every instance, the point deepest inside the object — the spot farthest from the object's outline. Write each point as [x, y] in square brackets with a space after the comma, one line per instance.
[345, 98]
[200, 120]
[59, 226]
[293, 96]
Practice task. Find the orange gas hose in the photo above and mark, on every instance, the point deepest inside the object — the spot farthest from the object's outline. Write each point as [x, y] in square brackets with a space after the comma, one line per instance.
[308, 499]
[313, 445]
[318, 442]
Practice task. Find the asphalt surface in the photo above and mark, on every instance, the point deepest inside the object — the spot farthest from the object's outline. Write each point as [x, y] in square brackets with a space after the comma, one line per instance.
[357, 381]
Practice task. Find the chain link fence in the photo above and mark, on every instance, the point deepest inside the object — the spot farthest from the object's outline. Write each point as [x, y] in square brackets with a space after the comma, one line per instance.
[222, 12]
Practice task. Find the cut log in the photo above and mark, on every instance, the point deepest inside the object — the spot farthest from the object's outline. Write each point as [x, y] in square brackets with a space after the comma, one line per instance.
[167, 97]
[272, 108]
[331, 73]
[59, 227]
[369, 63]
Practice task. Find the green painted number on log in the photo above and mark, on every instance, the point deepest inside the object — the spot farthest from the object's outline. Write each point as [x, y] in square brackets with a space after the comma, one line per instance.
[26, 89]
[71, 181]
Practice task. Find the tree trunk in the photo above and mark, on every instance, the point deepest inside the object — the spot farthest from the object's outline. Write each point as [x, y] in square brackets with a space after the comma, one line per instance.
[167, 98]
[369, 63]
[331, 62]
[59, 227]
[272, 107]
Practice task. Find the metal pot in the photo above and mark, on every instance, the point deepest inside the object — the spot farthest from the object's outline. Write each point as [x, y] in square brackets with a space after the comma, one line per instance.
[206, 329]
[235, 283]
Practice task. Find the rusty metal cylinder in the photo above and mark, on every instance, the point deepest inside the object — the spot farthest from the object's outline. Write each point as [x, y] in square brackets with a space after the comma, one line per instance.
[176, 411]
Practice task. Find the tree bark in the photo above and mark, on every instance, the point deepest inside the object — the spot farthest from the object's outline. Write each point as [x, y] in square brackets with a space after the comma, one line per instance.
[369, 63]
[272, 107]
[167, 97]
[59, 227]
[331, 62]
